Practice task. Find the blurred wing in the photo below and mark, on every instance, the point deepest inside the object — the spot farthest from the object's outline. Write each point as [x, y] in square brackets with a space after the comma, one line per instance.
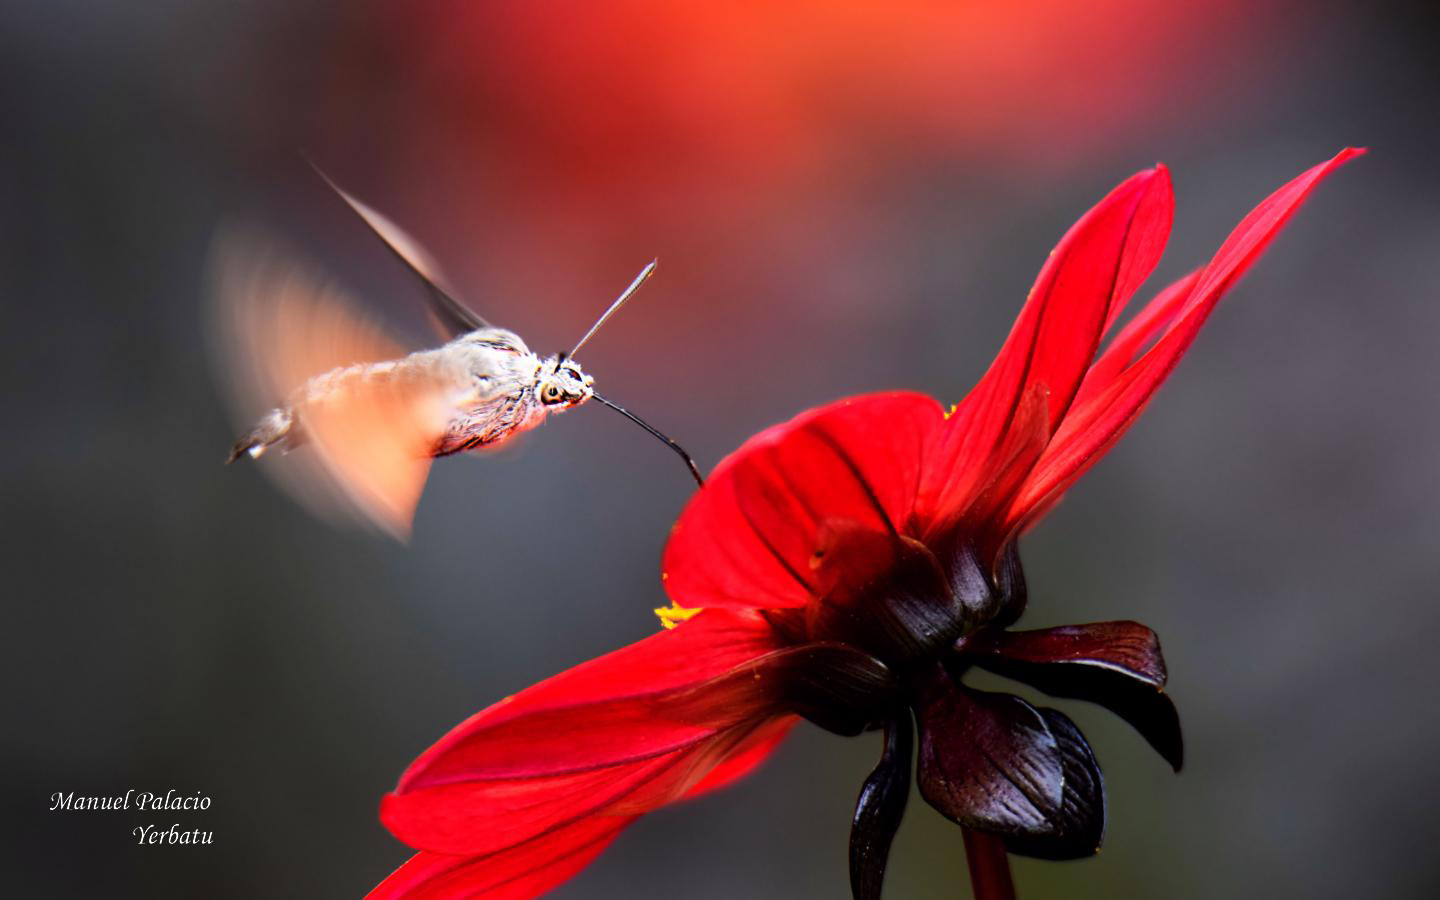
[450, 317]
[277, 324]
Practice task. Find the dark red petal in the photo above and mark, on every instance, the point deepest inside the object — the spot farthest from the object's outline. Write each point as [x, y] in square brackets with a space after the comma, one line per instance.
[626, 732]
[1093, 426]
[1115, 664]
[994, 763]
[1080, 825]
[1083, 285]
[988, 761]
[524, 871]
[879, 809]
[746, 539]
[885, 592]
[1127, 647]
[837, 686]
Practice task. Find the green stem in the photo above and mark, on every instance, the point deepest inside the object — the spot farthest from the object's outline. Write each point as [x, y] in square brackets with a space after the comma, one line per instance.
[989, 866]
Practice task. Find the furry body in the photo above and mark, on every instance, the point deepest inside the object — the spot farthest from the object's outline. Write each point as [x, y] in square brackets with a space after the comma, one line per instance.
[470, 394]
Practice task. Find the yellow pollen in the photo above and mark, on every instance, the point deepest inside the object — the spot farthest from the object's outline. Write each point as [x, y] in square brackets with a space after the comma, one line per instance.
[674, 614]
[951, 411]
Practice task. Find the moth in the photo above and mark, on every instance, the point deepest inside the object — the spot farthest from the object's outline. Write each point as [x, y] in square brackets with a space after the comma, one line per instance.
[373, 416]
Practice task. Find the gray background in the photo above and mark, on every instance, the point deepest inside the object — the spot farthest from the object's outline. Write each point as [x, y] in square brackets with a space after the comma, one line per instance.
[176, 624]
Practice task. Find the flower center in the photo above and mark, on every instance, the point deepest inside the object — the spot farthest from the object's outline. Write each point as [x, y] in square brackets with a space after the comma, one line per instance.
[894, 597]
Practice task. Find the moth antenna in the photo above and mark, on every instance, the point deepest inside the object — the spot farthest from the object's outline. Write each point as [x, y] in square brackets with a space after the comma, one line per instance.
[655, 432]
[614, 308]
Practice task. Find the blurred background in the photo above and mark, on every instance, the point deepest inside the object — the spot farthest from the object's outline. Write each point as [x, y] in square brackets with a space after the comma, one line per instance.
[844, 197]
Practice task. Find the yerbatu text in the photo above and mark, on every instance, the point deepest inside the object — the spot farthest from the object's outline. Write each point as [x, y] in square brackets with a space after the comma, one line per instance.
[151, 834]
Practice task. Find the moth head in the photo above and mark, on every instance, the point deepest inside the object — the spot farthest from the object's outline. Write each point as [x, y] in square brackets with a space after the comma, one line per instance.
[564, 384]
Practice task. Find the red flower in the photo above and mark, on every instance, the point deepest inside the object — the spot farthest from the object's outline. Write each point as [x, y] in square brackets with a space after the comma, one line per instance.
[847, 567]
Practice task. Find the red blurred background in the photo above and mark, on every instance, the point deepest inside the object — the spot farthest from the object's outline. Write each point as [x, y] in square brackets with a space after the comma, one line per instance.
[762, 151]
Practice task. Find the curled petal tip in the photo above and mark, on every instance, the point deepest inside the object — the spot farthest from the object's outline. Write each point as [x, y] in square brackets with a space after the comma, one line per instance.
[1343, 157]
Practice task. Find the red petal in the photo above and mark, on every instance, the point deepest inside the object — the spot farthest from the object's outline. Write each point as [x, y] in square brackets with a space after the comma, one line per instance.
[1022, 446]
[746, 539]
[1136, 336]
[705, 646]
[535, 866]
[621, 734]
[1082, 287]
[524, 871]
[747, 758]
[1093, 426]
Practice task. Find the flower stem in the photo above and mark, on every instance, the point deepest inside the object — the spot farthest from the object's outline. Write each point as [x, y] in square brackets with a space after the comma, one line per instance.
[989, 866]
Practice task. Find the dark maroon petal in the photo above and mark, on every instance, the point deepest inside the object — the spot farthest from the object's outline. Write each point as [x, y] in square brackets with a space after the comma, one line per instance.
[1129, 646]
[1082, 803]
[1115, 664]
[994, 763]
[837, 687]
[988, 761]
[887, 593]
[879, 810]
[1010, 585]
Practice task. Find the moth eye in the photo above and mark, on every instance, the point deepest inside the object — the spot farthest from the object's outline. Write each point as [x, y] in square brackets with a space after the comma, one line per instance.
[550, 393]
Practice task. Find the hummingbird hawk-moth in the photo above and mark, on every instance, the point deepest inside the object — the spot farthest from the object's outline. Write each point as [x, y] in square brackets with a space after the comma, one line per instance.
[373, 415]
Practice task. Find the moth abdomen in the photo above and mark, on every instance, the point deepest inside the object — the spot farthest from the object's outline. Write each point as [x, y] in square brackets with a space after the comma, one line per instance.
[276, 427]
